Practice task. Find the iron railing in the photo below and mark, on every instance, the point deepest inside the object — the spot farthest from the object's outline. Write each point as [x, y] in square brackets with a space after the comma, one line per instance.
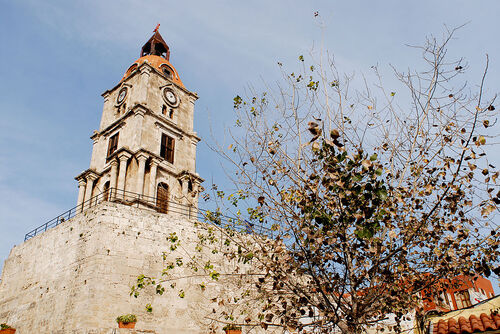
[163, 206]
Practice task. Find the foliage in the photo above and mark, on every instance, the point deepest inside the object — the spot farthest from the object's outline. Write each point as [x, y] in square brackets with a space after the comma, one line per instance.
[231, 327]
[4, 326]
[356, 200]
[127, 318]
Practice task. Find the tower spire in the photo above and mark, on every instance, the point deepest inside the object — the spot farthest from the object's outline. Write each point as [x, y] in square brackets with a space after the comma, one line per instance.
[156, 46]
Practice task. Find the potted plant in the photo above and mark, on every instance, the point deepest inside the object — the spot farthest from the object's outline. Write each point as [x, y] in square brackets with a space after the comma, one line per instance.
[126, 321]
[232, 329]
[6, 329]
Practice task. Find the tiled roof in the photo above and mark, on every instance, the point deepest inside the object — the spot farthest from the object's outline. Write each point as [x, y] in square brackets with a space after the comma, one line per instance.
[157, 62]
[474, 324]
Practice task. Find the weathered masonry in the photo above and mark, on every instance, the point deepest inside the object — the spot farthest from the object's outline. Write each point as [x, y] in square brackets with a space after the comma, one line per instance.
[73, 274]
[145, 143]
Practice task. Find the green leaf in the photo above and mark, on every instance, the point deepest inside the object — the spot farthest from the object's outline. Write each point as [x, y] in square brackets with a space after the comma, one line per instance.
[382, 193]
[237, 102]
[357, 177]
[365, 233]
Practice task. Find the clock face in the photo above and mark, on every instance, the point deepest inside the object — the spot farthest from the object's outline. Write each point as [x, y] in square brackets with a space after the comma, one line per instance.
[170, 97]
[121, 95]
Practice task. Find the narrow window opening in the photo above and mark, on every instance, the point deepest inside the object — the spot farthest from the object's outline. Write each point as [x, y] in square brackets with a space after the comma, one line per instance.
[105, 191]
[164, 110]
[162, 197]
[112, 144]
[167, 148]
[93, 200]
[167, 73]
[131, 69]
[190, 186]
[171, 113]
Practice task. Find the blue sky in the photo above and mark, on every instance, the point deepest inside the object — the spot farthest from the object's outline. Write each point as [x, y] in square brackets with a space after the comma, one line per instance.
[58, 56]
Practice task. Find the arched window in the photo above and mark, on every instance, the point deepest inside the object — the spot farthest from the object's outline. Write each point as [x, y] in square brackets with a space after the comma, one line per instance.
[167, 71]
[130, 70]
[162, 197]
[105, 191]
[94, 198]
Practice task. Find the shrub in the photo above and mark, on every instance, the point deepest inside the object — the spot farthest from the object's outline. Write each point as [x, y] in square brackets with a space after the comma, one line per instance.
[127, 318]
[231, 327]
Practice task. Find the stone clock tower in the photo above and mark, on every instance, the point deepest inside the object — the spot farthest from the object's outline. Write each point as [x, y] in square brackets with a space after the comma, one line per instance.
[74, 273]
[145, 149]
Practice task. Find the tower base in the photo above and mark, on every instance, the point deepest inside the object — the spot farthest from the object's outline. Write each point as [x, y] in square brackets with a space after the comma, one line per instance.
[76, 277]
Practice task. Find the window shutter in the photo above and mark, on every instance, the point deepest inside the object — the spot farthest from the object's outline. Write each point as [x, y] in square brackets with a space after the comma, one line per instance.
[163, 146]
[170, 150]
[112, 144]
[167, 148]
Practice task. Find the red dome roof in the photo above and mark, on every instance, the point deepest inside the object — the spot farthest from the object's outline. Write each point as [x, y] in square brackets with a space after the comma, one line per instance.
[160, 64]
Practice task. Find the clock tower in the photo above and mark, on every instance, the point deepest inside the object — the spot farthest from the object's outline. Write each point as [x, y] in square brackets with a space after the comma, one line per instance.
[145, 149]
[74, 273]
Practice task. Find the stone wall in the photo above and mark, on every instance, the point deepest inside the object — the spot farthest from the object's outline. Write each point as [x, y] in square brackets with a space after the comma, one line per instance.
[76, 278]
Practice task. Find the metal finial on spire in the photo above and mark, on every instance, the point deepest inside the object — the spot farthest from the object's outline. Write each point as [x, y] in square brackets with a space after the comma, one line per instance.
[156, 45]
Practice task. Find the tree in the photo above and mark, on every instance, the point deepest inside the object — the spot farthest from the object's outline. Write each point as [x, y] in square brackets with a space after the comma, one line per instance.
[368, 196]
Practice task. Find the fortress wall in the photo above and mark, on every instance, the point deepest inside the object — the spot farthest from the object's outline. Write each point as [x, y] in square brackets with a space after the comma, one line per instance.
[76, 277]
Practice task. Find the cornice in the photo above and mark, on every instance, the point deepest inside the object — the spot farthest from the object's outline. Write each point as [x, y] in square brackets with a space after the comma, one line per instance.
[170, 128]
[134, 73]
[124, 153]
[148, 153]
[191, 175]
[108, 92]
[113, 126]
[116, 153]
[87, 173]
[161, 121]
[161, 163]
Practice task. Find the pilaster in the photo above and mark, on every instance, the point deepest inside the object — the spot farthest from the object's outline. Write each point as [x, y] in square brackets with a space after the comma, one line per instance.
[81, 192]
[141, 158]
[152, 177]
[123, 157]
[142, 94]
[112, 178]
[139, 112]
[91, 177]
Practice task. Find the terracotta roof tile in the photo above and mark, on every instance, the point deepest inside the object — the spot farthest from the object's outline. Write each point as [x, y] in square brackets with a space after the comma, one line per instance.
[474, 324]
[496, 317]
[157, 62]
